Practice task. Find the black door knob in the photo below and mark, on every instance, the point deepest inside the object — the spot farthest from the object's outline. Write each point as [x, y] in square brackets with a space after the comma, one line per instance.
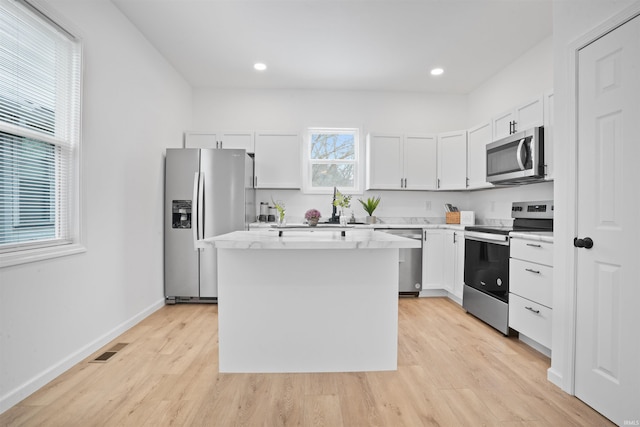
[586, 243]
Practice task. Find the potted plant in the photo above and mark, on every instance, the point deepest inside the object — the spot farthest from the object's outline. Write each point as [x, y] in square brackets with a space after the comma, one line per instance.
[370, 206]
[312, 216]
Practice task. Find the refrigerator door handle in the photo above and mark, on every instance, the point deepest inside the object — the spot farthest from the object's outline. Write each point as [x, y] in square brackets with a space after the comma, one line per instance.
[195, 220]
[201, 206]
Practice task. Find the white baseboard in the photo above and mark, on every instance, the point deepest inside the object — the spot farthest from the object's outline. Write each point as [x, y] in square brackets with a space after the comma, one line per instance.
[535, 345]
[429, 293]
[40, 380]
[554, 377]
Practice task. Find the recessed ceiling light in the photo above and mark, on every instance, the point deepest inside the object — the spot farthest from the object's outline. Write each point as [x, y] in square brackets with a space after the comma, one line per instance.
[260, 66]
[437, 71]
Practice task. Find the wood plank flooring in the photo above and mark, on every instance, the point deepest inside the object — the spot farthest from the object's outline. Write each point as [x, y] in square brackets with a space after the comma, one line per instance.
[453, 370]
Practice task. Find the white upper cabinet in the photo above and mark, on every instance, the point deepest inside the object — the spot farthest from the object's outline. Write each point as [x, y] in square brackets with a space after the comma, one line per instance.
[452, 160]
[384, 162]
[420, 162]
[277, 160]
[401, 162]
[524, 116]
[232, 139]
[477, 139]
[548, 135]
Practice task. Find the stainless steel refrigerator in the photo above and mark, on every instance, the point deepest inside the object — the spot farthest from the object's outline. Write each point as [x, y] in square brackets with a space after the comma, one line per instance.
[208, 192]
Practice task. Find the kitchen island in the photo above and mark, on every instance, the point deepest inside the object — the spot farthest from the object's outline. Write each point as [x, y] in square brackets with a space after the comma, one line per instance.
[314, 300]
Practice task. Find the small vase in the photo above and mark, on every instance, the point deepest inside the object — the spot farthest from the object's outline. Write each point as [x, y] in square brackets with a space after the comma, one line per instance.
[343, 219]
[370, 219]
[313, 222]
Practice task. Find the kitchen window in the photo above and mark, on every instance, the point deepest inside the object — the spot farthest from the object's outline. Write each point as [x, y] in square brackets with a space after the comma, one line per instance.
[40, 75]
[332, 158]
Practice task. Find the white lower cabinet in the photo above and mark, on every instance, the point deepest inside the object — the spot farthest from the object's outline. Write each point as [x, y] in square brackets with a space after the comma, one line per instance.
[530, 290]
[432, 259]
[530, 319]
[443, 262]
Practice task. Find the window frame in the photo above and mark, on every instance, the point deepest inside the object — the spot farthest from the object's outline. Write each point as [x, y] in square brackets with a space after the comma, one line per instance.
[67, 145]
[358, 161]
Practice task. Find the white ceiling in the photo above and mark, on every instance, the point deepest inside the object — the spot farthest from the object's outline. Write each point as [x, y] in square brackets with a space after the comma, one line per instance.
[341, 44]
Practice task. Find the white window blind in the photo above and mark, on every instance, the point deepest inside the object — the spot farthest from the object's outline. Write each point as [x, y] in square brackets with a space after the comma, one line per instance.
[40, 70]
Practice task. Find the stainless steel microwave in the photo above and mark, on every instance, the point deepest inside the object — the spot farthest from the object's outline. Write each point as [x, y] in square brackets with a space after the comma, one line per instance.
[517, 158]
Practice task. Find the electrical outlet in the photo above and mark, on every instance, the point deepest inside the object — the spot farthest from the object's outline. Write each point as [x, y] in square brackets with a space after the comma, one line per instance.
[427, 205]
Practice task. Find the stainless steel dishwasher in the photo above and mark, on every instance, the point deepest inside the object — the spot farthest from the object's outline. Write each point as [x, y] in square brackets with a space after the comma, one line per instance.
[410, 280]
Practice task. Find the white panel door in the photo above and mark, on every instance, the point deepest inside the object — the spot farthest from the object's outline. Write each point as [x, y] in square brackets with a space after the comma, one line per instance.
[384, 168]
[607, 357]
[420, 162]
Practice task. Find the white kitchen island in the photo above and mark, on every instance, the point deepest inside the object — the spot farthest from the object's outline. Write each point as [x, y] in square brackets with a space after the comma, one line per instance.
[308, 301]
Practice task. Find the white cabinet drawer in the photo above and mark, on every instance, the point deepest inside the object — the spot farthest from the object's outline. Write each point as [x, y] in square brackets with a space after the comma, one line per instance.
[531, 250]
[530, 319]
[531, 281]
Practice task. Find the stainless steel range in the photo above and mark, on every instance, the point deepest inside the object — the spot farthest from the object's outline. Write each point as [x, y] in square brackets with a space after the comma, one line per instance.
[486, 262]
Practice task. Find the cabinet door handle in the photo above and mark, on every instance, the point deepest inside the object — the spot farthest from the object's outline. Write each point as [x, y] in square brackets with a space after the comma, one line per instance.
[533, 245]
[438, 184]
[405, 183]
[531, 309]
[515, 129]
[532, 271]
[425, 234]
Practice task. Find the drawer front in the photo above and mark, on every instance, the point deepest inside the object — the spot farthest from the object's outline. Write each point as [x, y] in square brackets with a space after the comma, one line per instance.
[530, 250]
[530, 319]
[531, 281]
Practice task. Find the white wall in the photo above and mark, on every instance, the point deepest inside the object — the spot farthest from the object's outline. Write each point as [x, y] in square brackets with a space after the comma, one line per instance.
[55, 313]
[530, 75]
[523, 79]
[571, 21]
[403, 112]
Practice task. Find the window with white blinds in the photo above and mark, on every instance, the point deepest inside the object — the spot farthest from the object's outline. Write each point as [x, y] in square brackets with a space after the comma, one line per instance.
[40, 76]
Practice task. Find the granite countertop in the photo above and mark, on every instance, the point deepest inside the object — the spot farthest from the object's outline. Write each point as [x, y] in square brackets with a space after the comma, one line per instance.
[538, 236]
[311, 238]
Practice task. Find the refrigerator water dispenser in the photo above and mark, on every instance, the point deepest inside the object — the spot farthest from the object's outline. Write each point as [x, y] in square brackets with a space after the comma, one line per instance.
[181, 214]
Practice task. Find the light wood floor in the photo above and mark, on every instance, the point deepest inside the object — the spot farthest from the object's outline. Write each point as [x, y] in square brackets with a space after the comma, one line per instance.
[453, 370]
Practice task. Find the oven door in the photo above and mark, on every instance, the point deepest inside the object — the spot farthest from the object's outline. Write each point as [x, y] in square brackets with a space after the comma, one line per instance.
[486, 263]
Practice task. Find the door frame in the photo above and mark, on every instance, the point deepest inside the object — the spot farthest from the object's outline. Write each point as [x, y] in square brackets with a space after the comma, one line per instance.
[566, 379]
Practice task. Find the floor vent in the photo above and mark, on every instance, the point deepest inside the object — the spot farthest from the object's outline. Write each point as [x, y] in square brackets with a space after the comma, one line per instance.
[109, 354]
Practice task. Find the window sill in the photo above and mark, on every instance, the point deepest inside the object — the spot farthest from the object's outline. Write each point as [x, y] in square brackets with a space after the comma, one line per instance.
[40, 254]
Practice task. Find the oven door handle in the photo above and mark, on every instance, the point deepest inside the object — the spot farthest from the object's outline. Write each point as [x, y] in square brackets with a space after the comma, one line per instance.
[499, 239]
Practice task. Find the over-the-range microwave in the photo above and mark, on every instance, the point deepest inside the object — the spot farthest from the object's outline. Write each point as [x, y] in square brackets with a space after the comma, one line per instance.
[517, 158]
